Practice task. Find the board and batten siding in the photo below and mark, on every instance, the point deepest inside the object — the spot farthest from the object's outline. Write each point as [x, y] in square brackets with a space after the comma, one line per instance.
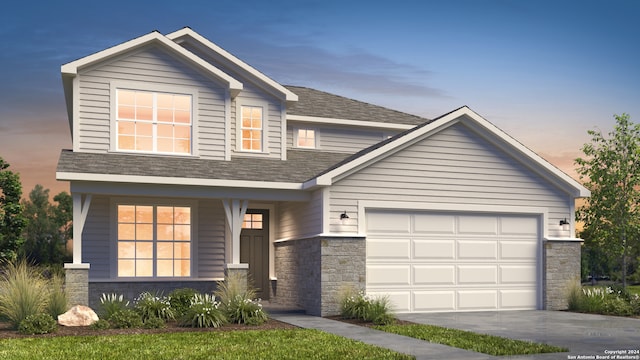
[209, 239]
[299, 220]
[454, 166]
[337, 139]
[150, 66]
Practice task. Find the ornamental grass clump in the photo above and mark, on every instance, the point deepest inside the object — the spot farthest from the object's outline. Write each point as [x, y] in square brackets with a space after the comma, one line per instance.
[58, 299]
[360, 306]
[23, 292]
[203, 312]
[239, 302]
[149, 305]
[111, 304]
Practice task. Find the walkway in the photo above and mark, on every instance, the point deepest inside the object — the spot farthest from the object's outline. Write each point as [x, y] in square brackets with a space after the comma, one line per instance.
[583, 334]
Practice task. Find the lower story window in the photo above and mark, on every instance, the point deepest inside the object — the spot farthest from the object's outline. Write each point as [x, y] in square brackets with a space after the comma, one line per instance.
[154, 241]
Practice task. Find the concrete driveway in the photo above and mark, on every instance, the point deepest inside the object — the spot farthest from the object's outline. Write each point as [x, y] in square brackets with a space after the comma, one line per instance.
[587, 336]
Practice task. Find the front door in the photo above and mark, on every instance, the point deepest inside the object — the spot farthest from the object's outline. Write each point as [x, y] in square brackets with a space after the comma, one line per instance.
[254, 249]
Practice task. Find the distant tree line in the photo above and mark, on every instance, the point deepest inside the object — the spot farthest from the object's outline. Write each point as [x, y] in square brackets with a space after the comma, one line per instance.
[33, 228]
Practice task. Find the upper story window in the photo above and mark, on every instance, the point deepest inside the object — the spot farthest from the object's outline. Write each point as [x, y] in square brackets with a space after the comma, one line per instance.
[251, 128]
[154, 122]
[306, 138]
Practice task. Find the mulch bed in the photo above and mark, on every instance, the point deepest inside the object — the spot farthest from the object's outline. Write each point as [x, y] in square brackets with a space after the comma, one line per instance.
[6, 332]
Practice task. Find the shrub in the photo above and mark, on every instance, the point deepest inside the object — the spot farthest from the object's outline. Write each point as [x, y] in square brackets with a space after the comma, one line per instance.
[149, 305]
[203, 312]
[126, 319]
[180, 300]
[58, 300]
[23, 292]
[154, 323]
[239, 302]
[101, 324]
[38, 324]
[110, 304]
[358, 305]
[606, 301]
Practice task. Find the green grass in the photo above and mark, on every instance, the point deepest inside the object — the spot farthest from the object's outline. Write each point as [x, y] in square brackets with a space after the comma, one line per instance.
[634, 289]
[487, 344]
[254, 344]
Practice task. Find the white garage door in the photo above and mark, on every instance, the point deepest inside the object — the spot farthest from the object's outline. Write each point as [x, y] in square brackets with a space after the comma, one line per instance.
[428, 261]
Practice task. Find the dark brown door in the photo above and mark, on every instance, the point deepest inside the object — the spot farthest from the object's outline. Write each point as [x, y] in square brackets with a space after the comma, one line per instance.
[254, 249]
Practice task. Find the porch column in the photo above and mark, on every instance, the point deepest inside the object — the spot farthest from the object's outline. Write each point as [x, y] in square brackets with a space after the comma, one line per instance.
[77, 273]
[235, 210]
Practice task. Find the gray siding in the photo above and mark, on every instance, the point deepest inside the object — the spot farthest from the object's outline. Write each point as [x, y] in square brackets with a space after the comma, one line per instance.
[300, 219]
[211, 234]
[151, 66]
[273, 135]
[454, 166]
[338, 139]
[96, 249]
[209, 239]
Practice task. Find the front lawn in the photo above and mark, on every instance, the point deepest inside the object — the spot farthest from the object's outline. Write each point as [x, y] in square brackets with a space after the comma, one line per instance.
[487, 344]
[254, 344]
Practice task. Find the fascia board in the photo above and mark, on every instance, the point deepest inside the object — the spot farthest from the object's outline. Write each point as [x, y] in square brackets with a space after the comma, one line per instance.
[347, 122]
[72, 68]
[579, 190]
[289, 96]
[167, 180]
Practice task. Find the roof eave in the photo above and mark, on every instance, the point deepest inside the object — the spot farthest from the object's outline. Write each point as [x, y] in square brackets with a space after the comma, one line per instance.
[288, 95]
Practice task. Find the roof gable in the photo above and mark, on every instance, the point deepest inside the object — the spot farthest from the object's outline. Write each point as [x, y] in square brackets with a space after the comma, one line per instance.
[71, 69]
[188, 35]
[471, 119]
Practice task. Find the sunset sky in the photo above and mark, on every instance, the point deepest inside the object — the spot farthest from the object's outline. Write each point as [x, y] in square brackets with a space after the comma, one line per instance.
[543, 71]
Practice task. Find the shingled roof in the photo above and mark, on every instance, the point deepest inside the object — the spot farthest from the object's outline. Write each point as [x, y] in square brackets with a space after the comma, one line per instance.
[318, 103]
[301, 165]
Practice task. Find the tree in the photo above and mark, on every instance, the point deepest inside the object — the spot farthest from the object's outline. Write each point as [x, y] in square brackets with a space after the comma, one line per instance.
[610, 169]
[11, 219]
[48, 228]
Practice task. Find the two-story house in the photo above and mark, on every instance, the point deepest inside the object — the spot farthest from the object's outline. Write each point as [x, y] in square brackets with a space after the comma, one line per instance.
[188, 163]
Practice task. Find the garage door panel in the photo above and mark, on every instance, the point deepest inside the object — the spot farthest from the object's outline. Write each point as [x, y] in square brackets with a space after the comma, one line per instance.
[434, 275]
[388, 222]
[388, 275]
[477, 300]
[518, 299]
[518, 250]
[478, 249]
[477, 225]
[434, 300]
[386, 248]
[477, 274]
[518, 274]
[434, 249]
[449, 261]
[434, 224]
[519, 225]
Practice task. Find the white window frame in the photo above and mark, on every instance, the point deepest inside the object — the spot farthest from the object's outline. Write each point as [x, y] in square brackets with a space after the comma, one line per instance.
[155, 88]
[296, 134]
[265, 125]
[192, 204]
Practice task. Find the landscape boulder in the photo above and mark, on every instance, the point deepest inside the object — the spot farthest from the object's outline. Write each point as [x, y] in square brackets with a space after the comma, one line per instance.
[78, 315]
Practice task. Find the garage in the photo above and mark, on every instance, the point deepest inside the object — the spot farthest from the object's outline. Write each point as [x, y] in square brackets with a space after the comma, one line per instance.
[446, 261]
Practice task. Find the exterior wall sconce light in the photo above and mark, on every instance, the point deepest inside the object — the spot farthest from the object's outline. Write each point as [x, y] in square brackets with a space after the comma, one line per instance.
[564, 224]
[344, 216]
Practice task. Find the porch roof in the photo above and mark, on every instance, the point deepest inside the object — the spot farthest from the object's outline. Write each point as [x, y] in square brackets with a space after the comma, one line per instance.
[300, 166]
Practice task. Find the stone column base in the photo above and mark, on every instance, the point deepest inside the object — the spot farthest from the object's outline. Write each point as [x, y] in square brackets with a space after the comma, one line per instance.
[76, 283]
[239, 272]
[561, 269]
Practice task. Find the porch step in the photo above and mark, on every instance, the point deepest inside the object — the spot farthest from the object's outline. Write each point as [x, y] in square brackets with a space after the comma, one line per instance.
[280, 309]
